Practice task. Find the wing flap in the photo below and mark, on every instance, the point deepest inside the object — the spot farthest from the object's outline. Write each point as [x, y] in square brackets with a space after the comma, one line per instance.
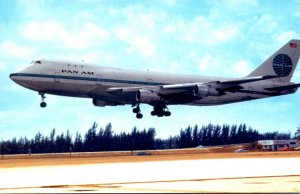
[129, 89]
[235, 82]
[221, 85]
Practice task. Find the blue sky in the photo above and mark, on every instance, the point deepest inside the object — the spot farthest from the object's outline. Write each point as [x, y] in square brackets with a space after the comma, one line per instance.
[222, 38]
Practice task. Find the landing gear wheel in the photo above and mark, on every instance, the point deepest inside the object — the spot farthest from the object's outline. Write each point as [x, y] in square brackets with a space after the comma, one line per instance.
[136, 110]
[139, 115]
[160, 115]
[160, 110]
[167, 113]
[43, 104]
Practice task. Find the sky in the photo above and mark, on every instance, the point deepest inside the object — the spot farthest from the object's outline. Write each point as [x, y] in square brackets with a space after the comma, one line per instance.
[227, 38]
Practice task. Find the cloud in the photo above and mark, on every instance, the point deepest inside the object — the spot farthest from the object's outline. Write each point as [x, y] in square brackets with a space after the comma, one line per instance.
[139, 30]
[283, 37]
[296, 14]
[41, 31]
[205, 62]
[170, 2]
[266, 23]
[211, 65]
[237, 4]
[202, 30]
[88, 34]
[175, 66]
[12, 49]
[241, 68]
[2, 66]
[223, 34]
[137, 42]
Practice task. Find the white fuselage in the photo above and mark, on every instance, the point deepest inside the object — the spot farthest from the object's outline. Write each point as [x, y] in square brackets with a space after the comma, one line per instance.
[90, 81]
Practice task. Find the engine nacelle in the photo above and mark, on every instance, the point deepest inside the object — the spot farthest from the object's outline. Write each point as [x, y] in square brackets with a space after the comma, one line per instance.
[101, 103]
[98, 103]
[146, 96]
[205, 91]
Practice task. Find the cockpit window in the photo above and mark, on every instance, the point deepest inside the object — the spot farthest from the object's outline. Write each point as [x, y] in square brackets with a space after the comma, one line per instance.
[32, 62]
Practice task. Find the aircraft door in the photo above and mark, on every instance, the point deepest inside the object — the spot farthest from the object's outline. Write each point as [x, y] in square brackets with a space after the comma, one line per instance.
[57, 77]
[150, 81]
[99, 79]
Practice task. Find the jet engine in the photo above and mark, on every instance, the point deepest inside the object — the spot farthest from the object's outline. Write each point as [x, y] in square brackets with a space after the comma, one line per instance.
[101, 103]
[98, 103]
[205, 91]
[147, 96]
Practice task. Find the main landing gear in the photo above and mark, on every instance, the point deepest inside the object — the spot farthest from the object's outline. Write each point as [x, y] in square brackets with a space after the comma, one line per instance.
[158, 110]
[43, 104]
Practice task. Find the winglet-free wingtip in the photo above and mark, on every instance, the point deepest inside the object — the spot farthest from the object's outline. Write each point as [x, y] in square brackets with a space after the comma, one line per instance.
[294, 43]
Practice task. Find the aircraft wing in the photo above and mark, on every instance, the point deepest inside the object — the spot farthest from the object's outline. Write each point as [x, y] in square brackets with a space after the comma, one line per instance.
[185, 92]
[221, 85]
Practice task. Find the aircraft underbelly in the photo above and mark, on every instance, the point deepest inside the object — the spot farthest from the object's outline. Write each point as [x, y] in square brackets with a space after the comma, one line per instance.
[98, 91]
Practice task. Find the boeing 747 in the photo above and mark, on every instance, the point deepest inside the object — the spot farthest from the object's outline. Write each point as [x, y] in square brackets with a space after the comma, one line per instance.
[108, 86]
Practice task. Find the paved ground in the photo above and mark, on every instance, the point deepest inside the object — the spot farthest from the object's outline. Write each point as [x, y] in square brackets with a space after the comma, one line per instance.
[205, 174]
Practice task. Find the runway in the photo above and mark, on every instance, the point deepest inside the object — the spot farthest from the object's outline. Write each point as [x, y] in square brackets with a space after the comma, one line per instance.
[201, 175]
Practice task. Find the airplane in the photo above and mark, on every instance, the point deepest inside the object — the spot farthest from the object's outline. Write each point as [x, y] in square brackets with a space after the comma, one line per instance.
[108, 86]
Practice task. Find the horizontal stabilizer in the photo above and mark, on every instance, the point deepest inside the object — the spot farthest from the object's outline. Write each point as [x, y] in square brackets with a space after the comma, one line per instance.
[286, 87]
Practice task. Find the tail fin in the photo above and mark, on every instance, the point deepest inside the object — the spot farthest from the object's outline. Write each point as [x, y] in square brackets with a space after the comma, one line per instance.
[282, 63]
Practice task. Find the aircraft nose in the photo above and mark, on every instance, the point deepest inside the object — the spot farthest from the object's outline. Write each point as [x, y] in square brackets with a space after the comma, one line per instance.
[12, 76]
[15, 77]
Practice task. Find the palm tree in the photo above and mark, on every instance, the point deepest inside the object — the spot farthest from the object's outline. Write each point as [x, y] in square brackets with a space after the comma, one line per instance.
[297, 134]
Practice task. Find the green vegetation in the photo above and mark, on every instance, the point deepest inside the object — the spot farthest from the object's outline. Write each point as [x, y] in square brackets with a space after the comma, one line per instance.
[105, 139]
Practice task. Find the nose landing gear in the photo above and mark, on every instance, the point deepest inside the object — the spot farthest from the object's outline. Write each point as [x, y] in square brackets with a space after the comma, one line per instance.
[43, 104]
[137, 111]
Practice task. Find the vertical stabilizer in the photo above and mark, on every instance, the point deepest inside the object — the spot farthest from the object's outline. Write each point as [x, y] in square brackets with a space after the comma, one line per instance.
[282, 63]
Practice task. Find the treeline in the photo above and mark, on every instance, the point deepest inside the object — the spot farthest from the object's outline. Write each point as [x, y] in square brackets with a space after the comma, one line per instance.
[220, 135]
[105, 139]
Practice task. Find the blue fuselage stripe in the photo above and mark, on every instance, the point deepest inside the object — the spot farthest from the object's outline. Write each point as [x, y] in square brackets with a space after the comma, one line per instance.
[85, 79]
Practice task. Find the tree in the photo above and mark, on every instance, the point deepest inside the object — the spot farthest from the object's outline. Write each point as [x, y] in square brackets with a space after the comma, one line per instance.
[68, 142]
[185, 138]
[90, 140]
[52, 141]
[225, 134]
[297, 134]
[233, 134]
[78, 144]
[216, 136]
[195, 137]
[150, 139]
[36, 143]
[107, 140]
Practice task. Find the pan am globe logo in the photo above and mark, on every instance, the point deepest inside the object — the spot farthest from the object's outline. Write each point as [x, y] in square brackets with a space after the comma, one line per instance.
[282, 65]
